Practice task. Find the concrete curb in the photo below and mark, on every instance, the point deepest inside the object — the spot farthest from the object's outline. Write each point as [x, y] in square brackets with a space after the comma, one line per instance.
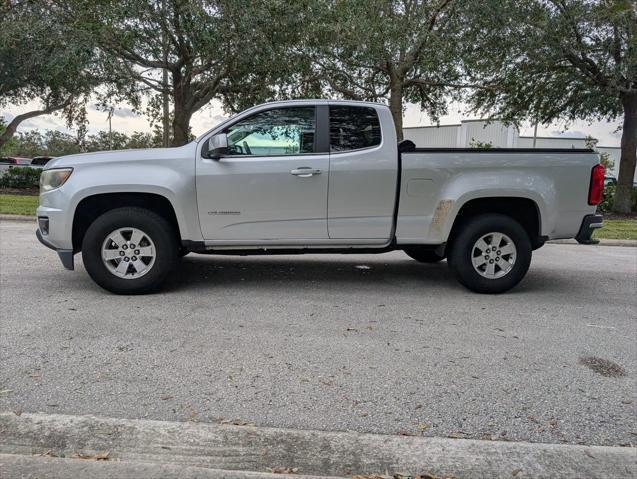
[63, 468]
[135, 443]
[17, 218]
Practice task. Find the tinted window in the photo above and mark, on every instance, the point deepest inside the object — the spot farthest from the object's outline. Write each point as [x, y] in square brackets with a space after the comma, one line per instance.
[40, 160]
[353, 127]
[282, 131]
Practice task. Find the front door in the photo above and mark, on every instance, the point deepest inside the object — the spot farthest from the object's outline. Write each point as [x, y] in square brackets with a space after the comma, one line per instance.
[271, 184]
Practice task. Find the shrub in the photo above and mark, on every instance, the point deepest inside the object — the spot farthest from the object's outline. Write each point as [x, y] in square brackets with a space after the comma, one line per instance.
[480, 145]
[20, 177]
[606, 206]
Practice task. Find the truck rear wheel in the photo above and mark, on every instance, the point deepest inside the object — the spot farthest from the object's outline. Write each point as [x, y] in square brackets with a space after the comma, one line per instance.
[130, 250]
[491, 254]
[423, 255]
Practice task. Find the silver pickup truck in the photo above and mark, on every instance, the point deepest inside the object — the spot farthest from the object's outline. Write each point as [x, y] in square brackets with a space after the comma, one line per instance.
[315, 176]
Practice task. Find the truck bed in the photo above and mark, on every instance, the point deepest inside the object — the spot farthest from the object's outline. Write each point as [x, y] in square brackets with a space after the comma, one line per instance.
[436, 183]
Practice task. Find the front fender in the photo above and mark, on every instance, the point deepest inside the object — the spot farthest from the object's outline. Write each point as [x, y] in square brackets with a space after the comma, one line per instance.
[178, 187]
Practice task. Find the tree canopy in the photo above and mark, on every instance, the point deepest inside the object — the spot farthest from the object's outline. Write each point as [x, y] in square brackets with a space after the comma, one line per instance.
[547, 60]
[43, 62]
[399, 50]
[209, 49]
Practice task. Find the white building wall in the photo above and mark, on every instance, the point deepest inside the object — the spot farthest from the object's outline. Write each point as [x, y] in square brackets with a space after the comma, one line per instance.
[495, 133]
[433, 136]
[499, 135]
[548, 142]
[462, 136]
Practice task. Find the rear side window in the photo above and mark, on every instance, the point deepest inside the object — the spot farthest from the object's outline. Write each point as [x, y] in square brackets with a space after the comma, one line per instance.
[353, 128]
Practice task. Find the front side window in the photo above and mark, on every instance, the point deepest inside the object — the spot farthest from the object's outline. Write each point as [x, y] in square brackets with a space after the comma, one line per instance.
[353, 128]
[281, 131]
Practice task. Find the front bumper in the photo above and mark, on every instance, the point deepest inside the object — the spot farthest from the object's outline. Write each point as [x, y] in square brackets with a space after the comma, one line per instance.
[589, 224]
[66, 255]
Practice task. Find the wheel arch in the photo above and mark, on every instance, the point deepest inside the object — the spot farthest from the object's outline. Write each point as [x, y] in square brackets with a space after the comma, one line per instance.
[524, 210]
[91, 207]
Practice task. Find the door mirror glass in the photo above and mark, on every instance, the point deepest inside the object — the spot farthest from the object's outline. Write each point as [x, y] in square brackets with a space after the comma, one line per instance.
[217, 145]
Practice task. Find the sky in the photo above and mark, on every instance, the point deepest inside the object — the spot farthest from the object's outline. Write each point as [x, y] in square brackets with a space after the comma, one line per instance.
[126, 121]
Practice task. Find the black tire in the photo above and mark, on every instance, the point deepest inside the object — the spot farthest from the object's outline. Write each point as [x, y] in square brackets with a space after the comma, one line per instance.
[462, 252]
[423, 255]
[158, 229]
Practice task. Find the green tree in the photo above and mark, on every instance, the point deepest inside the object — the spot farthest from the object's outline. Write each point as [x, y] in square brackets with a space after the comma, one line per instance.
[42, 58]
[104, 140]
[209, 49]
[140, 139]
[26, 144]
[58, 143]
[550, 60]
[393, 50]
[35, 143]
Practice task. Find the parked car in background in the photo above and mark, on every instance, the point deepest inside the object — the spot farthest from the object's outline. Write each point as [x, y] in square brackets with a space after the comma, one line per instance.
[19, 161]
[15, 161]
[40, 161]
[7, 162]
[610, 180]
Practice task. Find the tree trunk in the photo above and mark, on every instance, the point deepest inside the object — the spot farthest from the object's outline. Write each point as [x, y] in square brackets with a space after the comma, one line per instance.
[181, 126]
[396, 105]
[11, 128]
[623, 194]
[8, 133]
[182, 112]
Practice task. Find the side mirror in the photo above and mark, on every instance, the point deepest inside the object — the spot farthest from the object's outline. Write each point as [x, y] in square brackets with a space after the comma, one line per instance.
[217, 145]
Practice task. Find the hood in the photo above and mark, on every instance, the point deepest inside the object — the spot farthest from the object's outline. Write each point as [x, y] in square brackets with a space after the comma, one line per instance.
[124, 156]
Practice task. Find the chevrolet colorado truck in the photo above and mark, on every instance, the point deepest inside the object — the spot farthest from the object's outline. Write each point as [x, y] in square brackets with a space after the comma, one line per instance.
[315, 176]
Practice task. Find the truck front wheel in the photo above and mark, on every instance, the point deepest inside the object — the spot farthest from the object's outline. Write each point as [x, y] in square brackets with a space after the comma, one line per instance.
[130, 250]
[491, 254]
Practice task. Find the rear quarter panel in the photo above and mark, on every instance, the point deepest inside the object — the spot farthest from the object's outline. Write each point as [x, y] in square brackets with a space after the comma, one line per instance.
[435, 185]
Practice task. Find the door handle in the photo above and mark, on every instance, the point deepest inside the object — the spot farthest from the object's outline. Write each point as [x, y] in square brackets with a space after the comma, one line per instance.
[305, 172]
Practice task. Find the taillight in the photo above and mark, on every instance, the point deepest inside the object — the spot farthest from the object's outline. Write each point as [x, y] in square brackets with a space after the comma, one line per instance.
[596, 190]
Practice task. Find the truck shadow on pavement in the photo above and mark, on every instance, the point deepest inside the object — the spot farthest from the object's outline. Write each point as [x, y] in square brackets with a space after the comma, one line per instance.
[303, 272]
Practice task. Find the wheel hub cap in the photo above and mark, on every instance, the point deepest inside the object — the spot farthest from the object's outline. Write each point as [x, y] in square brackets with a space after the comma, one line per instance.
[128, 253]
[493, 255]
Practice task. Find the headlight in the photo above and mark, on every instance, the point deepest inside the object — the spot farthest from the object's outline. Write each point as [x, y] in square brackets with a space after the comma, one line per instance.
[54, 178]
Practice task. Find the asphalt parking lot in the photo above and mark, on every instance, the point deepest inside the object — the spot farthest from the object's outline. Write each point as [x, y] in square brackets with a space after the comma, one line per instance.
[345, 342]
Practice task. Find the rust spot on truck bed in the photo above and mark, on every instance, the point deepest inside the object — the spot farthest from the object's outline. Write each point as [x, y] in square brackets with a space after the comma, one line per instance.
[440, 217]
